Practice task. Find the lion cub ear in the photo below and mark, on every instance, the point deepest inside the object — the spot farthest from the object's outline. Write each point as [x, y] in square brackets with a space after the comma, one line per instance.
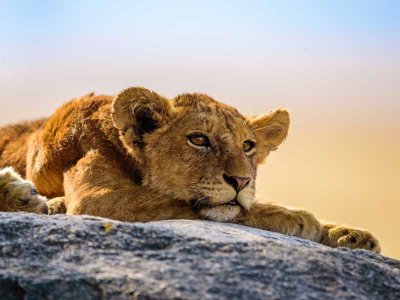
[138, 111]
[270, 131]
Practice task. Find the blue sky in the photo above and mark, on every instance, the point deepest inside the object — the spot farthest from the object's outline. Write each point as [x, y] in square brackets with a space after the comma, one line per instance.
[41, 18]
[184, 22]
[228, 48]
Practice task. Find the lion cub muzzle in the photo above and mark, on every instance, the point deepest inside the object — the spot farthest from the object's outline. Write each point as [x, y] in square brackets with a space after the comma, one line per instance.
[238, 183]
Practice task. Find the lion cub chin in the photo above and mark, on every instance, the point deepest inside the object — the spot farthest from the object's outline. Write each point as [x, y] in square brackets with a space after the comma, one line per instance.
[18, 194]
[222, 213]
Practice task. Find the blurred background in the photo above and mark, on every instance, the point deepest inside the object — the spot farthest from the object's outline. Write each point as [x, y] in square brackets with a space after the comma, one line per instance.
[334, 64]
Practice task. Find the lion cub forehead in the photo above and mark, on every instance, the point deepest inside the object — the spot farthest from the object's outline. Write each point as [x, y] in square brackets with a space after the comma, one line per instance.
[204, 113]
[204, 103]
[221, 124]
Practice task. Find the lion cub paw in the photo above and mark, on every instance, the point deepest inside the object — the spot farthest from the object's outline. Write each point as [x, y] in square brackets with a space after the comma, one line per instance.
[18, 194]
[353, 238]
[303, 224]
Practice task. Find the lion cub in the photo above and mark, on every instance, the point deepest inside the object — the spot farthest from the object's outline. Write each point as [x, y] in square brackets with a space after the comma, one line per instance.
[139, 156]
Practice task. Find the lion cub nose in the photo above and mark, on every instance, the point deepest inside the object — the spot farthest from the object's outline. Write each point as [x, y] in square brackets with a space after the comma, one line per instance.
[238, 183]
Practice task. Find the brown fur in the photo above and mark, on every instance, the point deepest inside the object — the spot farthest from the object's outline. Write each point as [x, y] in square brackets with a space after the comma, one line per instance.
[131, 158]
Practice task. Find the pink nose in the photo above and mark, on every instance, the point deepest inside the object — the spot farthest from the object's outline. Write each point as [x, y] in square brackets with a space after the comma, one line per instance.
[238, 183]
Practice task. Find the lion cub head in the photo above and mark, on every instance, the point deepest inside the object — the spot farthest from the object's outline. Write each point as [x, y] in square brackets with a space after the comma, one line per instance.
[196, 149]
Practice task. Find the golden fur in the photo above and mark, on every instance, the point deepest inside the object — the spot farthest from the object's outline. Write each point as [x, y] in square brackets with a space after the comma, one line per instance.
[141, 157]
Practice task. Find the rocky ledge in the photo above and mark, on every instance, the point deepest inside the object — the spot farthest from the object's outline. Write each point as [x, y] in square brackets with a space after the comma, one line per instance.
[80, 257]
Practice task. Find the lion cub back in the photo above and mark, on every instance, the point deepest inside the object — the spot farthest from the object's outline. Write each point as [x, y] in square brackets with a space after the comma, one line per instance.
[14, 143]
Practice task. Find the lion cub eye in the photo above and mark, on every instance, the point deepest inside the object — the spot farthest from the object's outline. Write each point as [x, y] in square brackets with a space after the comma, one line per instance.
[248, 147]
[199, 140]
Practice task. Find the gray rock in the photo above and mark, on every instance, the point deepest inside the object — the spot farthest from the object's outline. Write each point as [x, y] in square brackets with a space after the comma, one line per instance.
[80, 257]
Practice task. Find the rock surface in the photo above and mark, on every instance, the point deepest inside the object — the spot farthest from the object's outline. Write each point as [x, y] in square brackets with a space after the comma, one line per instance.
[78, 257]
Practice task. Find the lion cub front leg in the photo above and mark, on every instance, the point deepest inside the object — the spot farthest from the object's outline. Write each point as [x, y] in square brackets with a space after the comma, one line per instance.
[302, 224]
[280, 219]
[18, 194]
[98, 186]
[344, 236]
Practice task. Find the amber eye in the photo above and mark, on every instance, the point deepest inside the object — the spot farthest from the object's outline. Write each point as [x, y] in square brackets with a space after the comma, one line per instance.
[199, 140]
[248, 146]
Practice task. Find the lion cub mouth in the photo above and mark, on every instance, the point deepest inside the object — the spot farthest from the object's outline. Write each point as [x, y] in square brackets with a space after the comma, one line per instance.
[233, 202]
[198, 205]
[221, 212]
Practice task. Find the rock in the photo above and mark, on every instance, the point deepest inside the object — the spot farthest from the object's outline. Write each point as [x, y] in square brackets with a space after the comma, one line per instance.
[81, 257]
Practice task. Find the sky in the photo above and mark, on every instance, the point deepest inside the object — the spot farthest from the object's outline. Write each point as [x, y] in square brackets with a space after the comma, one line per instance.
[335, 65]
